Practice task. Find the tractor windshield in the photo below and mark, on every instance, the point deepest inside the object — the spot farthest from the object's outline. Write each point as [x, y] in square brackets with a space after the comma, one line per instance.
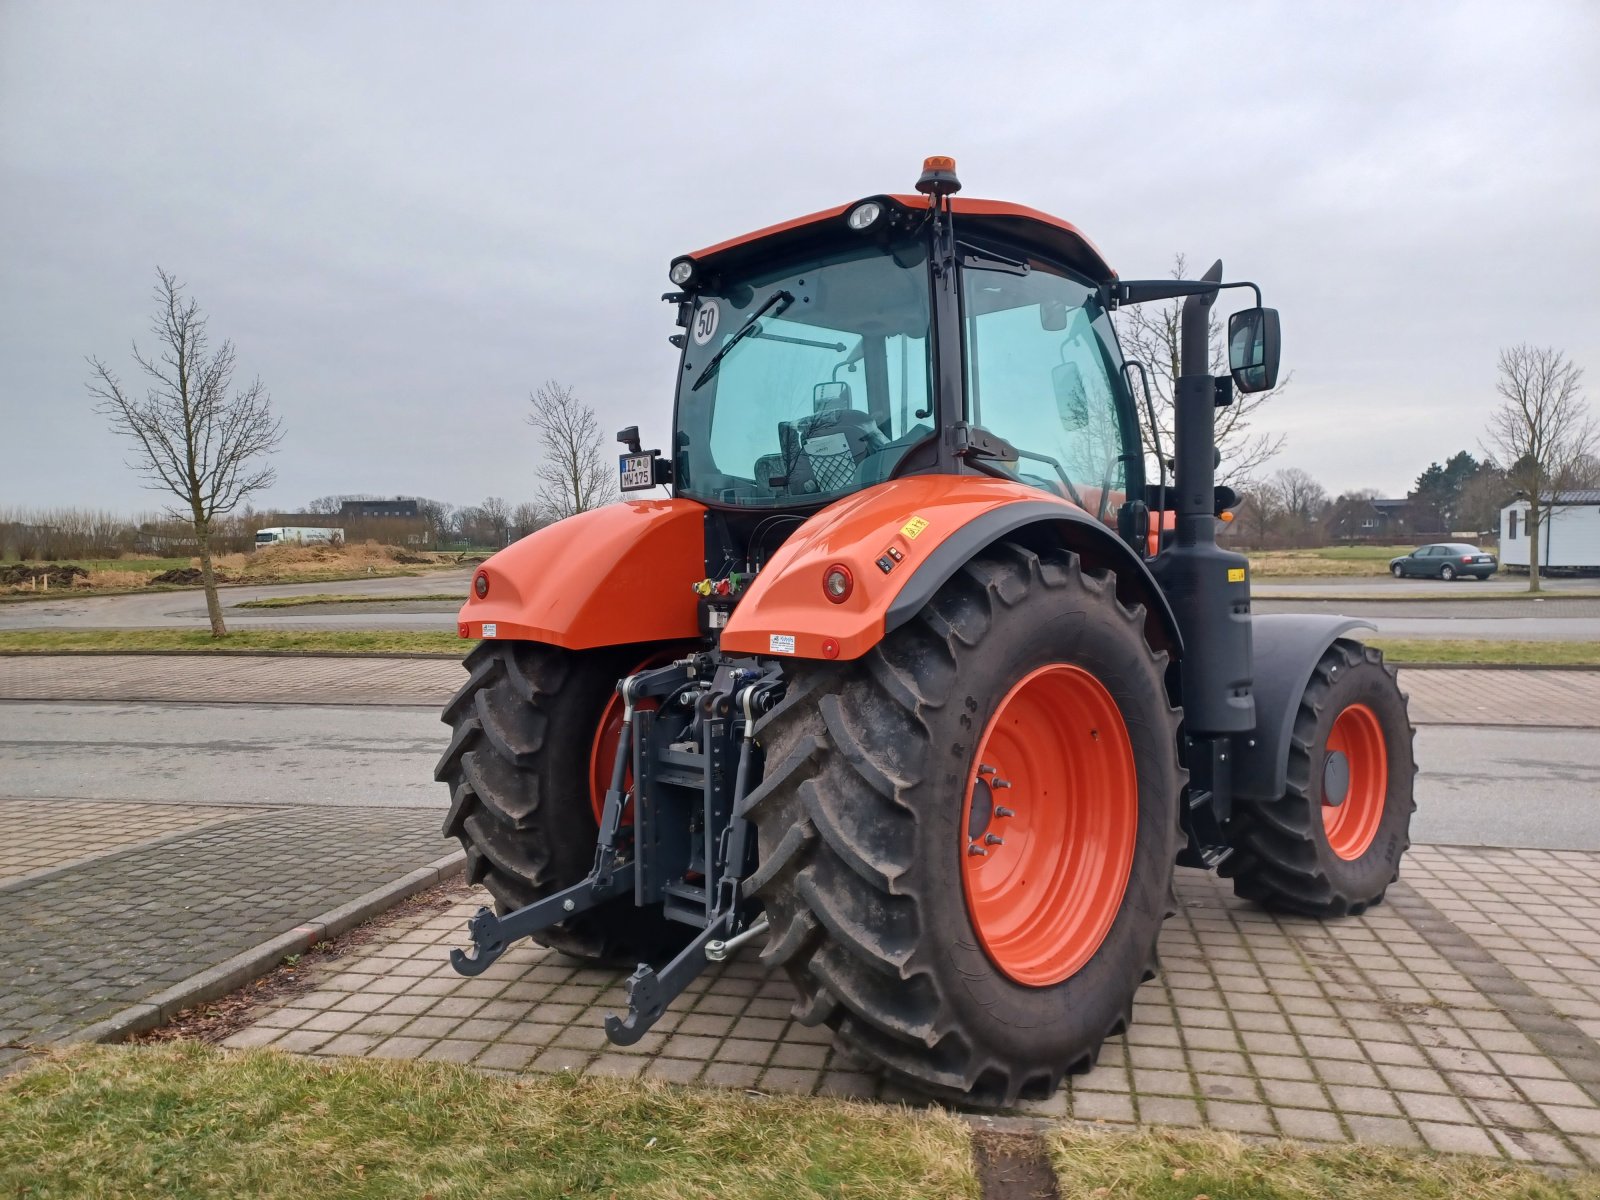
[821, 395]
[1043, 372]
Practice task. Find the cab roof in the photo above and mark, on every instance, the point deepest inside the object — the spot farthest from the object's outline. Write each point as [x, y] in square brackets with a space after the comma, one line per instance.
[1049, 237]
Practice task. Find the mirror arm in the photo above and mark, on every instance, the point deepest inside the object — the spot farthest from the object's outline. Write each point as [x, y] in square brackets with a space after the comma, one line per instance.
[1142, 291]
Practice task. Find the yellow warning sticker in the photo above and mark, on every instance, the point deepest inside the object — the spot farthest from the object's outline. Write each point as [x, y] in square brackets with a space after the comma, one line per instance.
[913, 527]
[1235, 574]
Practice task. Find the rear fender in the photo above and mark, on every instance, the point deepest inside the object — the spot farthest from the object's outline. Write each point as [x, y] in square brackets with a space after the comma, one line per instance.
[1287, 647]
[614, 575]
[901, 542]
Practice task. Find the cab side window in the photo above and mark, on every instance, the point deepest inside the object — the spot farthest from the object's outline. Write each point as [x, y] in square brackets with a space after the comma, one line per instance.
[1042, 374]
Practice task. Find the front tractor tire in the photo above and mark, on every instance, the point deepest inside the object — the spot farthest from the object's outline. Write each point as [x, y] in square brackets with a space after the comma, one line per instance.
[528, 750]
[967, 836]
[1332, 844]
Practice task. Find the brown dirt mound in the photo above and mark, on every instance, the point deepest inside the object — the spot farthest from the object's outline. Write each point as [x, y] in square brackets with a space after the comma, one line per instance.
[186, 576]
[19, 574]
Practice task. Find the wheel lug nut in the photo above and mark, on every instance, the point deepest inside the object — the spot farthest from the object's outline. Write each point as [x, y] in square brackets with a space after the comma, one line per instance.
[976, 849]
[1000, 783]
[1003, 811]
[985, 769]
[994, 839]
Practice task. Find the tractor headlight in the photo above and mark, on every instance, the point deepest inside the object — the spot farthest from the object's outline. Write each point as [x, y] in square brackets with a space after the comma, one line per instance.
[864, 215]
[682, 272]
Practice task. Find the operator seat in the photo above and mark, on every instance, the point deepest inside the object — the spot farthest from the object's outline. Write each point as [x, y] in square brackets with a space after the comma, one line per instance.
[822, 451]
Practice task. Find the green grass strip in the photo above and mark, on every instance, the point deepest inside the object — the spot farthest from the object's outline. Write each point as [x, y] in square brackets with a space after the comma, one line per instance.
[308, 641]
[182, 1120]
[335, 598]
[1168, 1165]
[1482, 652]
[400, 641]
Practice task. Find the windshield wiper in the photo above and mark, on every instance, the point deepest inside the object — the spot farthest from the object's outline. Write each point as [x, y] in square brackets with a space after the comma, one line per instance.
[743, 332]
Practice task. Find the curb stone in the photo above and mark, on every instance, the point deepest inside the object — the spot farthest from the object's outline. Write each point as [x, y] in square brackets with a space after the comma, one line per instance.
[230, 975]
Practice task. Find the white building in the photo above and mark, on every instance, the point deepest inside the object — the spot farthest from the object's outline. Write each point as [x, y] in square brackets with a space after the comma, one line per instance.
[1569, 531]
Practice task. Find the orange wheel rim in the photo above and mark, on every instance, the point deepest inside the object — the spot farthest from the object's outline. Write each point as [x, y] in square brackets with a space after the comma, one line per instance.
[1351, 825]
[1049, 825]
[603, 749]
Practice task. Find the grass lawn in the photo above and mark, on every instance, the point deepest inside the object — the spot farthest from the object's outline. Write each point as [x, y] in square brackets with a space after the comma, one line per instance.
[337, 598]
[1472, 650]
[184, 1120]
[1166, 1165]
[373, 641]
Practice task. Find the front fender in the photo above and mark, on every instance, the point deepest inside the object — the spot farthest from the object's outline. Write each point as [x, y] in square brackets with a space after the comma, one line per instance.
[934, 524]
[1286, 648]
[613, 575]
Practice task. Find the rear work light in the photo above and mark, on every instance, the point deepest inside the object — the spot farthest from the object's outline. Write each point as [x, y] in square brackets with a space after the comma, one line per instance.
[481, 585]
[864, 215]
[838, 583]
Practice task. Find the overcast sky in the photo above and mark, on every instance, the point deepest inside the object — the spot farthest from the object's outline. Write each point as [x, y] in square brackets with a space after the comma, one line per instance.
[406, 216]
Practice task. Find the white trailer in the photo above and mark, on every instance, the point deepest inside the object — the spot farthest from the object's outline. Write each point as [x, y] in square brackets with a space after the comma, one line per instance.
[302, 535]
[1569, 532]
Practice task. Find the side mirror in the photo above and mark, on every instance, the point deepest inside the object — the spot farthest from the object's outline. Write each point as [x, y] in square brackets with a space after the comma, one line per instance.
[1253, 348]
[827, 396]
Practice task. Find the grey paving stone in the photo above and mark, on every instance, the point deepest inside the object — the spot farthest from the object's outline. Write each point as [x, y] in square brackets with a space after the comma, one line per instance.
[133, 921]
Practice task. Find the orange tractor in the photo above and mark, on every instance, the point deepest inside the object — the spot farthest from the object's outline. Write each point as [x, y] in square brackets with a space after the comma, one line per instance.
[915, 678]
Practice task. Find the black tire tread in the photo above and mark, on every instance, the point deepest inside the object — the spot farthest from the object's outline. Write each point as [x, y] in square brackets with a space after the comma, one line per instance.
[1276, 860]
[521, 841]
[839, 890]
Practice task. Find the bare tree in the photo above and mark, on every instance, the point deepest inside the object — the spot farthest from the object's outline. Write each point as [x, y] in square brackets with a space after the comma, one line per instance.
[573, 473]
[1543, 429]
[1151, 333]
[497, 513]
[193, 436]
[1301, 500]
[526, 518]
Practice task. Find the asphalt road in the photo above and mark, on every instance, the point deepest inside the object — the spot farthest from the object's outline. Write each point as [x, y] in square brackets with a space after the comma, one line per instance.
[187, 609]
[1527, 787]
[210, 754]
[1414, 608]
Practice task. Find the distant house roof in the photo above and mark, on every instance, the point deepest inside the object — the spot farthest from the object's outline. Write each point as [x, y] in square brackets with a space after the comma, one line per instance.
[1575, 496]
[378, 508]
[1391, 504]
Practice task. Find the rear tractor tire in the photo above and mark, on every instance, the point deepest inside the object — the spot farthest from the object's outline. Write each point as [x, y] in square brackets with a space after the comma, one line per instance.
[1332, 844]
[528, 752]
[967, 836]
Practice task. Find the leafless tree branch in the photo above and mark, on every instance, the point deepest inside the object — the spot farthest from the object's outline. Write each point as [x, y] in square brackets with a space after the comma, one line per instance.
[573, 473]
[1543, 432]
[193, 436]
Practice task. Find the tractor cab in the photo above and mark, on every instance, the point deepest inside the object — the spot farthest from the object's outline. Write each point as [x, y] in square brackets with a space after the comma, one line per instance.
[900, 335]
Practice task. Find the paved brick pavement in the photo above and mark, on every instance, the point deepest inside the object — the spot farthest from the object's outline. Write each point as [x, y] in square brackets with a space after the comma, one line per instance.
[1460, 1016]
[44, 836]
[168, 891]
[1464, 697]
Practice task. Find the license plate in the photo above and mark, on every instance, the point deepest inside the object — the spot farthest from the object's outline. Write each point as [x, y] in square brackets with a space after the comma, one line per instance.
[638, 471]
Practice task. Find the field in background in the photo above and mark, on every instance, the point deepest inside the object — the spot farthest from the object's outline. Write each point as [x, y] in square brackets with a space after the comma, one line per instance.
[1325, 561]
[272, 564]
